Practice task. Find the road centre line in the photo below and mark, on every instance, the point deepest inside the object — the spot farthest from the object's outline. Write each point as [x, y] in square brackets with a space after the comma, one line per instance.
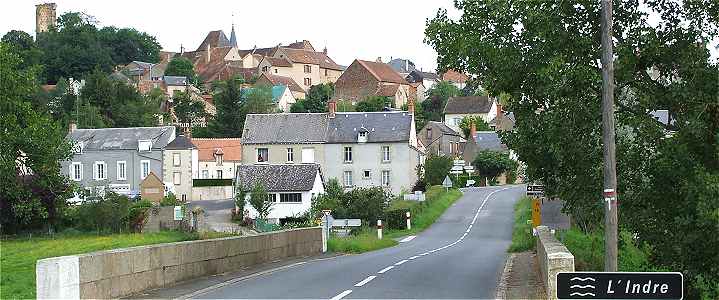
[385, 269]
[341, 295]
[365, 281]
[413, 257]
[400, 262]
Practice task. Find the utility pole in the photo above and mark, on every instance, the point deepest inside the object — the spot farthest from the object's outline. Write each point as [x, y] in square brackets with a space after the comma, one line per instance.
[610, 160]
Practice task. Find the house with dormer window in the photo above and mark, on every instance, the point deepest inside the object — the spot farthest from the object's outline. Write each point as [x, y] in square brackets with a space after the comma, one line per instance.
[117, 159]
[217, 158]
[359, 149]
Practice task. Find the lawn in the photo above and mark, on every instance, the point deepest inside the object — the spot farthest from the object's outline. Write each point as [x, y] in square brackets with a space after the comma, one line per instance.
[18, 255]
[365, 240]
[522, 238]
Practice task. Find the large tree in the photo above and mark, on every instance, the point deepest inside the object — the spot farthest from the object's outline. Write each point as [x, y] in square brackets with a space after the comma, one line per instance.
[181, 66]
[546, 54]
[32, 145]
[187, 110]
[316, 101]
[433, 106]
[22, 44]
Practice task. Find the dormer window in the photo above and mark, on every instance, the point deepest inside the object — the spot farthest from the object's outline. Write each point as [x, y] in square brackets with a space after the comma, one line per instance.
[79, 146]
[144, 145]
[362, 135]
[218, 156]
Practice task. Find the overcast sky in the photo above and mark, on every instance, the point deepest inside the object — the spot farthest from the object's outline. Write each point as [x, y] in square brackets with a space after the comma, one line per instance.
[349, 29]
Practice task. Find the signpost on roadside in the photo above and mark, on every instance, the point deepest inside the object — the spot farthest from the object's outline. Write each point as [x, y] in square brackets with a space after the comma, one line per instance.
[447, 183]
[327, 221]
[178, 213]
[536, 192]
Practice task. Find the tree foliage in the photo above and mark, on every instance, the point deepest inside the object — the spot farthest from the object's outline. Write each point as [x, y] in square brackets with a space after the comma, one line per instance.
[23, 45]
[367, 204]
[33, 189]
[556, 48]
[436, 167]
[260, 201]
[374, 103]
[233, 104]
[433, 105]
[491, 164]
[187, 110]
[77, 47]
[181, 66]
[479, 124]
[317, 98]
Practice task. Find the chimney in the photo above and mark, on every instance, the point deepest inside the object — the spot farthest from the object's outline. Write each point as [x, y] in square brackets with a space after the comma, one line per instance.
[410, 105]
[324, 50]
[182, 49]
[472, 131]
[331, 108]
[187, 132]
[72, 127]
[379, 59]
[208, 53]
[160, 120]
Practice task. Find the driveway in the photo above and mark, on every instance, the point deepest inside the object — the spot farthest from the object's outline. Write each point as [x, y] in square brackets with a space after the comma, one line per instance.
[219, 215]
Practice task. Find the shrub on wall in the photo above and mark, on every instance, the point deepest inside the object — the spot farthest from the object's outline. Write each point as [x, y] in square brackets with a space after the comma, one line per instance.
[211, 182]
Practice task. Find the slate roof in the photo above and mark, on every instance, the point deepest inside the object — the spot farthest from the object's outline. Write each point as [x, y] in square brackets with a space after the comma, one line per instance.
[181, 142]
[304, 128]
[214, 39]
[468, 105]
[402, 65]
[277, 178]
[382, 72]
[231, 148]
[418, 76]
[382, 127]
[443, 128]
[175, 80]
[122, 138]
[489, 140]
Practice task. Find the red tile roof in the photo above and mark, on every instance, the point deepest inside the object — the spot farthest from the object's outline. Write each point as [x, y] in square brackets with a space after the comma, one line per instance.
[278, 62]
[454, 76]
[231, 149]
[382, 72]
[282, 80]
[311, 57]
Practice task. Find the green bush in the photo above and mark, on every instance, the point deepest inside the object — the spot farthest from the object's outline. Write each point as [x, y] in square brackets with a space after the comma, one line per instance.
[211, 182]
[169, 200]
[364, 240]
[436, 168]
[103, 214]
[395, 218]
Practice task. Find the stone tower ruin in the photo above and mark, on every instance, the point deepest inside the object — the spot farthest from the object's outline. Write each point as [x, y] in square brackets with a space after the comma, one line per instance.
[45, 17]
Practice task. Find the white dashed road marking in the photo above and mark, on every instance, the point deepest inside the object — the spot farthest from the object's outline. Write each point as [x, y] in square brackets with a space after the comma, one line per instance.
[407, 239]
[385, 269]
[365, 281]
[341, 295]
[413, 257]
[400, 262]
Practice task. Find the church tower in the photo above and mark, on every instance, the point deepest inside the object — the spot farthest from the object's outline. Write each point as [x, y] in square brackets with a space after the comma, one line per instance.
[45, 17]
[233, 37]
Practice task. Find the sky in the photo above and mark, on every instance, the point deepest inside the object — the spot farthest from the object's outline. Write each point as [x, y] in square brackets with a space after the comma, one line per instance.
[350, 29]
[363, 29]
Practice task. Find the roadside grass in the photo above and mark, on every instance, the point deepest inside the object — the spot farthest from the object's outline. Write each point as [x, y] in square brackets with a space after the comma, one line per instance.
[18, 255]
[522, 238]
[424, 214]
[365, 240]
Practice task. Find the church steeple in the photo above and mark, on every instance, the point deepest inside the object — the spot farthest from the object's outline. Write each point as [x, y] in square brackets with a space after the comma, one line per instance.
[233, 37]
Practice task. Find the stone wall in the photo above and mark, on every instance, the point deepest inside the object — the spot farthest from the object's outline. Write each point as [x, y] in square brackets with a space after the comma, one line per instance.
[163, 218]
[553, 258]
[123, 272]
[212, 193]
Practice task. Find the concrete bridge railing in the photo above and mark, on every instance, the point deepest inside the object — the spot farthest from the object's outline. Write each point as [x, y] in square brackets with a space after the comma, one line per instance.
[553, 258]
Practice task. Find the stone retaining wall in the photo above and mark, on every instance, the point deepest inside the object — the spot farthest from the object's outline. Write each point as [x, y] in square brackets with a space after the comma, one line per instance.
[553, 258]
[123, 272]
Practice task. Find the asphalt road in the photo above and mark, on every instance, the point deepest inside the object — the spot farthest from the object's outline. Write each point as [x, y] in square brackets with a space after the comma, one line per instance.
[461, 256]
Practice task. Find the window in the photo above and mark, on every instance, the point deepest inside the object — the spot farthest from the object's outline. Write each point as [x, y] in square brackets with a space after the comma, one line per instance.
[272, 197]
[385, 178]
[347, 179]
[205, 174]
[366, 174]
[76, 171]
[385, 153]
[100, 170]
[219, 174]
[325, 72]
[308, 155]
[144, 168]
[348, 154]
[290, 155]
[121, 170]
[218, 159]
[291, 198]
[263, 154]
[177, 178]
[308, 69]
[265, 68]
[144, 145]
[275, 70]
[429, 133]
[362, 136]
[176, 159]
[457, 121]
[308, 81]
[77, 148]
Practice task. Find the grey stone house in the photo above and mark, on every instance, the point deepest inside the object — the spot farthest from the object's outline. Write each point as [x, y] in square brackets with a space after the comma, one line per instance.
[116, 158]
[440, 139]
[360, 149]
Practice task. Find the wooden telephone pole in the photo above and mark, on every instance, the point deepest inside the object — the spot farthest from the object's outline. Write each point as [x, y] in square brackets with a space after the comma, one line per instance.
[610, 160]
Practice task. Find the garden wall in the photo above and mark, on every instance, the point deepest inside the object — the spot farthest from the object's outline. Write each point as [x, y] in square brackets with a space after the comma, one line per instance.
[123, 272]
[212, 193]
[553, 258]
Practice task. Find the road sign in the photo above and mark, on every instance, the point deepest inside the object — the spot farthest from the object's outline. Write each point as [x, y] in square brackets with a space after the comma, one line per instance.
[178, 213]
[620, 285]
[447, 182]
[346, 223]
[535, 190]
[459, 162]
[471, 182]
[536, 212]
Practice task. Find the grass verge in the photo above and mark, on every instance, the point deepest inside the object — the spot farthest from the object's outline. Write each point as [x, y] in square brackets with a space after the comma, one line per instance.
[18, 255]
[364, 241]
[522, 238]
[425, 213]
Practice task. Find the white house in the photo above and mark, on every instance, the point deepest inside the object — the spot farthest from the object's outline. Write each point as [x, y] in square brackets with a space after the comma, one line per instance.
[290, 187]
[469, 106]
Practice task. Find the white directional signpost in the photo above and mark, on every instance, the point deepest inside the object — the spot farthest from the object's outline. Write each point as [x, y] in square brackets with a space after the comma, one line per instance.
[470, 171]
[447, 183]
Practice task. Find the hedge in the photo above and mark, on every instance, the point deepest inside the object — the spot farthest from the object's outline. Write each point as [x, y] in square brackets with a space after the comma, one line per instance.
[211, 182]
